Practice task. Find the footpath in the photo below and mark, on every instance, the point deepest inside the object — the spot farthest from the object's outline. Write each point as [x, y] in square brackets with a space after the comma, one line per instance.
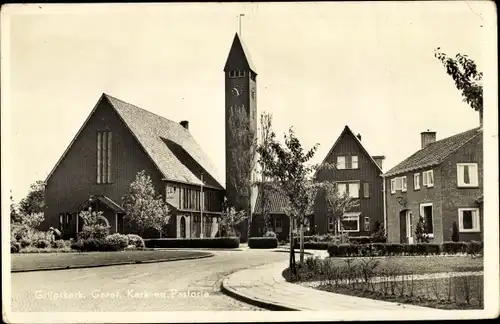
[265, 287]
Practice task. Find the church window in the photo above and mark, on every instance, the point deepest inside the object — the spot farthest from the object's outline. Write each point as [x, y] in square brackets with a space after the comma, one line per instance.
[104, 145]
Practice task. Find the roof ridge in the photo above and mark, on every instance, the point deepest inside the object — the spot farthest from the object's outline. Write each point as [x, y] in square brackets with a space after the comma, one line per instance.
[145, 110]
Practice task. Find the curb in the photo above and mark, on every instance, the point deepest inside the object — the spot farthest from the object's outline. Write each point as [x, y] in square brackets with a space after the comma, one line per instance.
[252, 300]
[288, 251]
[115, 264]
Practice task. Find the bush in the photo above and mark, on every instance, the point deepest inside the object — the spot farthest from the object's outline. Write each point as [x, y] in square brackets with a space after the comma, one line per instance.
[262, 242]
[475, 247]
[454, 247]
[95, 231]
[454, 235]
[270, 234]
[359, 240]
[115, 242]
[217, 242]
[15, 247]
[42, 244]
[20, 231]
[136, 240]
[60, 244]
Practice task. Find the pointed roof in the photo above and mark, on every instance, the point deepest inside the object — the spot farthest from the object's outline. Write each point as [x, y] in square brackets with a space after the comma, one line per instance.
[239, 57]
[349, 132]
[434, 153]
[171, 147]
[277, 200]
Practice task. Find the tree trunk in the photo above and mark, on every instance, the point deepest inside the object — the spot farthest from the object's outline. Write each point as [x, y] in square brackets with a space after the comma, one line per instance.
[301, 243]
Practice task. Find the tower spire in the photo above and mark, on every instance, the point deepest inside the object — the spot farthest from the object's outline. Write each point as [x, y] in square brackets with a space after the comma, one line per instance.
[239, 23]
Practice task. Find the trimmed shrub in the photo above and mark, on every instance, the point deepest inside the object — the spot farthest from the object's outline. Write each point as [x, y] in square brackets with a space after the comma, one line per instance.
[454, 235]
[313, 245]
[359, 240]
[379, 249]
[476, 247]
[115, 242]
[136, 240]
[269, 234]
[454, 247]
[262, 242]
[216, 242]
[60, 244]
[15, 247]
[96, 231]
[42, 244]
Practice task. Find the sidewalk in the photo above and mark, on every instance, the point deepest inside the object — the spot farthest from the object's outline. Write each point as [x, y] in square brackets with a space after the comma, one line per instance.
[265, 287]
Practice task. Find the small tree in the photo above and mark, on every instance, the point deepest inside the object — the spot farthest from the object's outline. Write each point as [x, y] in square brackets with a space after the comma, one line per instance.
[454, 234]
[467, 78]
[143, 207]
[92, 228]
[242, 157]
[13, 210]
[421, 233]
[34, 201]
[229, 219]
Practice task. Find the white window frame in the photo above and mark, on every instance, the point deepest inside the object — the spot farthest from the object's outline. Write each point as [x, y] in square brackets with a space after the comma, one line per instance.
[393, 185]
[352, 162]
[344, 165]
[476, 220]
[349, 189]
[431, 235]
[460, 180]
[425, 175]
[416, 181]
[404, 184]
[349, 218]
[331, 223]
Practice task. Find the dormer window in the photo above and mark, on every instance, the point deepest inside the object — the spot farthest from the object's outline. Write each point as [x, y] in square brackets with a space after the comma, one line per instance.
[236, 74]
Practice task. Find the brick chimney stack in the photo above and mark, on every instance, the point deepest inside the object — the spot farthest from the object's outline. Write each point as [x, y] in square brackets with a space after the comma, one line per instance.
[185, 124]
[359, 137]
[427, 138]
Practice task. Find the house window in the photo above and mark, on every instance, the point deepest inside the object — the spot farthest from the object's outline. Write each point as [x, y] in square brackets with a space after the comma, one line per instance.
[403, 184]
[342, 189]
[428, 178]
[467, 175]
[350, 223]
[341, 162]
[232, 74]
[61, 222]
[468, 219]
[354, 162]
[354, 190]
[236, 74]
[366, 190]
[416, 181]
[398, 183]
[366, 226]
[331, 224]
[427, 213]
[104, 145]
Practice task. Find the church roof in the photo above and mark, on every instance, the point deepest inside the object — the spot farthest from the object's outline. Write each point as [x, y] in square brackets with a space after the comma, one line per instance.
[170, 146]
[239, 56]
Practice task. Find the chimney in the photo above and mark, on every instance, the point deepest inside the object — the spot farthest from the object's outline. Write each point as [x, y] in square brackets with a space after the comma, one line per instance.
[379, 159]
[427, 138]
[185, 124]
[359, 136]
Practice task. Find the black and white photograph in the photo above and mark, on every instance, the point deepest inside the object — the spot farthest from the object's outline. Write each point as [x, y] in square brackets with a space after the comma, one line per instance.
[249, 161]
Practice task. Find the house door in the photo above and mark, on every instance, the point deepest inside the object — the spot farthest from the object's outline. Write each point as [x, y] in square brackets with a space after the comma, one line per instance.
[409, 227]
[183, 227]
[402, 227]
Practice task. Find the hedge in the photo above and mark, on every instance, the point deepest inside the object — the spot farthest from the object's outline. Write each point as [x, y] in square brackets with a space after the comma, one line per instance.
[313, 245]
[262, 242]
[388, 249]
[216, 242]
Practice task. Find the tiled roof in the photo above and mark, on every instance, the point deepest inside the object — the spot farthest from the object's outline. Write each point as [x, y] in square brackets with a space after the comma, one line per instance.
[278, 202]
[434, 153]
[171, 147]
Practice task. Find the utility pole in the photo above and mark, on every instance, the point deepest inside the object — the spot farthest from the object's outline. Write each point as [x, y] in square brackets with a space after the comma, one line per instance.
[201, 207]
[239, 23]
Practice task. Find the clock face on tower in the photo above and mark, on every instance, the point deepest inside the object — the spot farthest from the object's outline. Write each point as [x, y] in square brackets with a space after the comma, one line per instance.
[237, 90]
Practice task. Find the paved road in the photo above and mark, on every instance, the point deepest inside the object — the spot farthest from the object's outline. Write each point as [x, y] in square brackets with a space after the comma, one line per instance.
[168, 286]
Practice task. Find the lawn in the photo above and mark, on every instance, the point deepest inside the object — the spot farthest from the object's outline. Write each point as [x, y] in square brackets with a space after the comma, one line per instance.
[403, 265]
[396, 279]
[39, 261]
[464, 292]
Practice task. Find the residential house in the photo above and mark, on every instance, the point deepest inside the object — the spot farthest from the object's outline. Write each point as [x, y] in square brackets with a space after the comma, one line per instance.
[359, 175]
[443, 183]
[117, 141]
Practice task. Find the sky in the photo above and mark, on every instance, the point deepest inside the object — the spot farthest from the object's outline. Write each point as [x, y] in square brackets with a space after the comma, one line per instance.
[320, 66]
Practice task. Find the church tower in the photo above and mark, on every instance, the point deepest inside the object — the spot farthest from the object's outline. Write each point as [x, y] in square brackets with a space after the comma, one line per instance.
[240, 97]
